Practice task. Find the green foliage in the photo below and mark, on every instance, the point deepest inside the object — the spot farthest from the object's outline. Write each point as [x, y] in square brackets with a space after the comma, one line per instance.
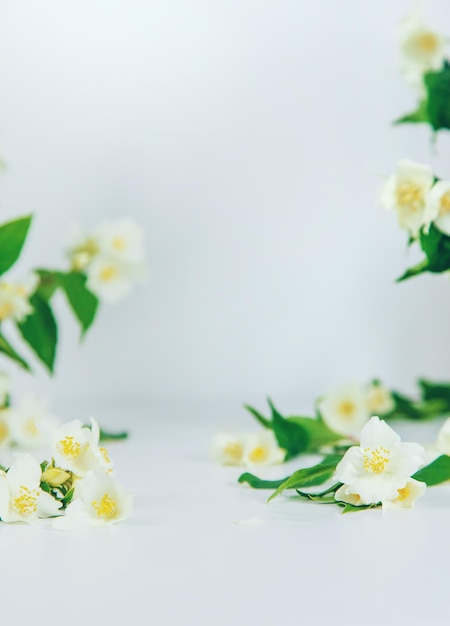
[436, 247]
[39, 330]
[82, 301]
[12, 238]
[436, 472]
[435, 391]
[259, 483]
[438, 89]
[307, 477]
[108, 436]
[9, 351]
[420, 115]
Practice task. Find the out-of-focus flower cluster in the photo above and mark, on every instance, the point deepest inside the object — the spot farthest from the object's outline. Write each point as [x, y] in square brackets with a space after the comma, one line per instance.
[249, 450]
[112, 257]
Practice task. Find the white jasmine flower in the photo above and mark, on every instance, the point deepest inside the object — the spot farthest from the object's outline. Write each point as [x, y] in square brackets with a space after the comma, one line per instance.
[14, 298]
[438, 202]
[262, 449]
[101, 455]
[5, 427]
[82, 247]
[31, 424]
[228, 449]
[406, 192]
[443, 438]
[346, 494]
[73, 447]
[98, 501]
[345, 409]
[110, 279]
[21, 498]
[421, 49]
[381, 465]
[121, 239]
[379, 400]
[407, 495]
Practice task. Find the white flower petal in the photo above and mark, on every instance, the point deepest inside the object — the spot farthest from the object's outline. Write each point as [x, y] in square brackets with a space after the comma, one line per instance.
[25, 471]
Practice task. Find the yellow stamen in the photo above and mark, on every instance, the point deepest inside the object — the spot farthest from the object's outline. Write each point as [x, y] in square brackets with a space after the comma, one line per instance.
[106, 508]
[109, 273]
[346, 408]
[119, 243]
[444, 208]
[69, 447]
[259, 454]
[6, 310]
[427, 42]
[403, 493]
[410, 195]
[26, 502]
[4, 431]
[375, 461]
[233, 451]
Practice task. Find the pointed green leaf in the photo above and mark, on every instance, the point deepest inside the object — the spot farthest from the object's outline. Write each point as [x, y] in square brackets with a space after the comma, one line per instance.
[12, 238]
[82, 301]
[8, 350]
[434, 391]
[258, 416]
[259, 483]
[420, 268]
[318, 432]
[108, 436]
[291, 437]
[436, 472]
[420, 115]
[437, 85]
[351, 508]
[40, 332]
[49, 282]
[308, 477]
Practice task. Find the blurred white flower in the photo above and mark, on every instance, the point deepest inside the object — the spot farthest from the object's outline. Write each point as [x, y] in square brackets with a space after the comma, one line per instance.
[72, 447]
[421, 49]
[438, 206]
[228, 449]
[345, 410]
[443, 438]
[5, 428]
[5, 387]
[21, 498]
[121, 239]
[31, 424]
[111, 279]
[82, 247]
[14, 298]
[381, 466]
[262, 449]
[406, 192]
[98, 501]
[379, 399]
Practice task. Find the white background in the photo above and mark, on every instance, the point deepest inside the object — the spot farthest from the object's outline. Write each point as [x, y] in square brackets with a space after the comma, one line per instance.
[248, 137]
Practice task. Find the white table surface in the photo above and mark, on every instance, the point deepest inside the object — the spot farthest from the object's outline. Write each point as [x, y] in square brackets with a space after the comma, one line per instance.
[181, 559]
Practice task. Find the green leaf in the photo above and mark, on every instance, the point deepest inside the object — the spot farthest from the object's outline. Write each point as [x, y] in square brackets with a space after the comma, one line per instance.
[12, 238]
[40, 332]
[46, 487]
[434, 391]
[437, 85]
[436, 246]
[82, 301]
[49, 282]
[351, 508]
[420, 268]
[107, 436]
[318, 432]
[68, 497]
[420, 115]
[436, 472]
[323, 496]
[258, 416]
[258, 483]
[308, 477]
[8, 350]
[291, 437]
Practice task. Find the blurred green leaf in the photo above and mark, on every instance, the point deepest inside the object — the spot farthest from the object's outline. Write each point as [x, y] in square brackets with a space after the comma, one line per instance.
[12, 238]
[8, 350]
[82, 301]
[39, 330]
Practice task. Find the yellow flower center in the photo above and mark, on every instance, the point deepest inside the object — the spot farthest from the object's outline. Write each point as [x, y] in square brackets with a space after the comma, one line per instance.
[375, 461]
[119, 243]
[410, 195]
[30, 427]
[427, 42]
[233, 451]
[106, 508]
[109, 273]
[403, 493]
[69, 447]
[83, 255]
[259, 454]
[346, 408]
[105, 455]
[444, 205]
[26, 502]
[4, 430]
[6, 310]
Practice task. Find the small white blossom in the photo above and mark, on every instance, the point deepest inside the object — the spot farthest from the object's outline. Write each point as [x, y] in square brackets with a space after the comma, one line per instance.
[121, 239]
[406, 192]
[262, 449]
[73, 446]
[14, 298]
[98, 501]
[421, 49]
[82, 249]
[379, 400]
[345, 410]
[110, 279]
[21, 498]
[381, 465]
[228, 449]
[31, 424]
[5, 387]
[407, 495]
[438, 206]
